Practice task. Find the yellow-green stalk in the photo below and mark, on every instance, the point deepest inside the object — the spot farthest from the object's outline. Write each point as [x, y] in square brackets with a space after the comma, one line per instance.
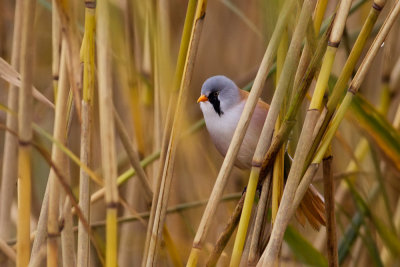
[166, 179]
[107, 135]
[277, 176]
[353, 88]
[183, 51]
[305, 139]
[330, 53]
[289, 69]
[239, 134]
[347, 70]
[319, 14]
[25, 111]
[87, 55]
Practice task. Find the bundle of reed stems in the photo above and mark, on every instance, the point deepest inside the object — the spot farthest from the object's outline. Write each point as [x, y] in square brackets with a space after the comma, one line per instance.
[106, 160]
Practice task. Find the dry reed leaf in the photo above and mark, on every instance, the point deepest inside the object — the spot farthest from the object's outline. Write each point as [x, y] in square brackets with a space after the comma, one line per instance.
[9, 74]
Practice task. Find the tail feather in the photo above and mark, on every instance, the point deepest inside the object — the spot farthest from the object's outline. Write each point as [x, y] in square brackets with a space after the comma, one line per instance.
[313, 208]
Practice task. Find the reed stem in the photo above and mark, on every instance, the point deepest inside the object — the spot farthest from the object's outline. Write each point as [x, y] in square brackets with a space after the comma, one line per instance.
[107, 134]
[25, 133]
[88, 49]
[10, 158]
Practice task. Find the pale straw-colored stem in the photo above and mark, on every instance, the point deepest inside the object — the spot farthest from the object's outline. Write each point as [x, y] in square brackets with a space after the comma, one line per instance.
[67, 234]
[70, 33]
[183, 50]
[347, 70]
[282, 219]
[263, 205]
[175, 133]
[25, 106]
[107, 133]
[354, 86]
[88, 49]
[10, 156]
[57, 156]
[240, 131]
[288, 70]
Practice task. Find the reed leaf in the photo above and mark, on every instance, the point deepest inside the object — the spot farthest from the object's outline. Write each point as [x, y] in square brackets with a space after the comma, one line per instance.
[302, 248]
[377, 128]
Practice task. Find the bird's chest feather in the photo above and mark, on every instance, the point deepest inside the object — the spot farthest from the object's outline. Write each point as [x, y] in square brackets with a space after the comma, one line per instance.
[222, 128]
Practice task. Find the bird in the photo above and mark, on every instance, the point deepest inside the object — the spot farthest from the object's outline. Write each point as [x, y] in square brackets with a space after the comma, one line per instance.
[222, 103]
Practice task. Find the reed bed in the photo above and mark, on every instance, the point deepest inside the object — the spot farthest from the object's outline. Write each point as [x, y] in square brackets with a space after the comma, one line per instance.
[106, 160]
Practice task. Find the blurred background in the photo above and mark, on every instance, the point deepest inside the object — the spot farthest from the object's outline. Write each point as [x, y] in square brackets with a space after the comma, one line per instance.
[145, 43]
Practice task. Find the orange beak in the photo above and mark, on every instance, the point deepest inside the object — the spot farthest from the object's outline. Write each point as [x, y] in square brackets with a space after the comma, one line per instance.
[202, 98]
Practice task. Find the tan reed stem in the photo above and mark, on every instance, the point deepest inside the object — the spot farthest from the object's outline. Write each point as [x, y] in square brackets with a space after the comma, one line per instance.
[238, 136]
[107, 134]
[10, 154]
[183, 50]
[175, 133]
[89, 77]
[288, 70]
[25, 105]
[70, 33]
[59, 133]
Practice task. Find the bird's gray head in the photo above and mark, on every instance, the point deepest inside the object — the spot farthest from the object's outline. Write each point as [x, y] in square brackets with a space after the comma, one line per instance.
[221, 92]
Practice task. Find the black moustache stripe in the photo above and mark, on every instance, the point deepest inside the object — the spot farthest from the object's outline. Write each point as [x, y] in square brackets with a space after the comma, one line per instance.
[213, 98]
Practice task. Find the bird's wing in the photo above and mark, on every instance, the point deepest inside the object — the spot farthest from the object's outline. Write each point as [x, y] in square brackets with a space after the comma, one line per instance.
[244, 95]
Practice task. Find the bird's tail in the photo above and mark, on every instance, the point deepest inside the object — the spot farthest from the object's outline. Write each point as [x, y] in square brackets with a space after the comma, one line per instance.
[312, 208]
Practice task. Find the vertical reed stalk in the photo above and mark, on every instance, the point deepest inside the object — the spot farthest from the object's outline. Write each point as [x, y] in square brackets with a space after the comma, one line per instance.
[239, 133]
[183, 50]
[176, 129]
[356, 82]
[319, 13]
[299, 94]
[70, 33]
[305, 140]
[41, 229]
[56, 46]
[67, 234]
[226, 234]
[354, 86]
[259, 226]
[277, 176]
[88, 56]
[347, 70]
[107, 138]
[57, 157]
[329, 194]
[288, 70]
[25, 105]
[10, 156]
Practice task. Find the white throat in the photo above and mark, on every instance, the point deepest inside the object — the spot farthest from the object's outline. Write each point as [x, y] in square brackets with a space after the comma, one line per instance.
[221, 128]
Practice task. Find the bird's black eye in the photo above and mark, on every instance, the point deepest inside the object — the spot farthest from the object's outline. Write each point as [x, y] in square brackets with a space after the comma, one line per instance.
[216, 94]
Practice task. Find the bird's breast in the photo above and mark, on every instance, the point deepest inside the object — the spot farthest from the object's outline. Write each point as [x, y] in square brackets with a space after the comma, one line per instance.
[221, 129]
